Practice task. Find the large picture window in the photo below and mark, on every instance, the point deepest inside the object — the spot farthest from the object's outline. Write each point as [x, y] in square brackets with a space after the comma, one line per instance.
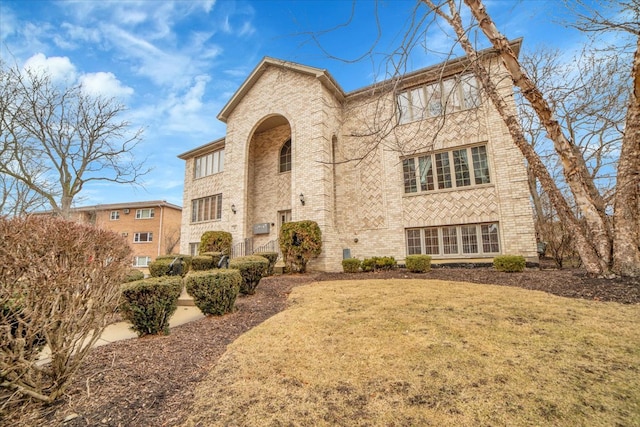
[453, 169]
[206, 208]
[454, 94]
[209, 164]
[458, 240]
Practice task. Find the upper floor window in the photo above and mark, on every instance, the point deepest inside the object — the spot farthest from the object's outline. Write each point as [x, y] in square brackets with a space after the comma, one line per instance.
[206, 208]
[209, 164]
[144, 213]
[115, 215]
[285, 156]
[435, 99]
[449, 169]
[143, 237]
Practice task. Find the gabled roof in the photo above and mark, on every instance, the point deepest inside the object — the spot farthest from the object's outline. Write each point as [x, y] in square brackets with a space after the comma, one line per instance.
[321, 74]
[203, 149]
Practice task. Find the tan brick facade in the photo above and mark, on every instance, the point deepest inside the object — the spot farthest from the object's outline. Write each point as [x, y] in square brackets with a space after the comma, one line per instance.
[352, 182]
[121, 218]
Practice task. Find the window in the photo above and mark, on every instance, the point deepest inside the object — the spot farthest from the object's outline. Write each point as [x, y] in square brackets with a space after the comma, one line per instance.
[453, 169]
[459, 240]
[144, 213]
[141, 261]
[453, 94]
[115, 215]
[143, 237]
[209, 164]
[206, 208]
[194, 248]
[285, 157]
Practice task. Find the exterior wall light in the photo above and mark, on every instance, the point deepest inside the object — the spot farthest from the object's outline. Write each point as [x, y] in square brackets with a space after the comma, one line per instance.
[302, 199]
[233, 209]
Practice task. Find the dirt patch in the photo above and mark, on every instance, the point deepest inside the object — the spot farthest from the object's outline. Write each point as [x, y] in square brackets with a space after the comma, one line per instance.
[150, 381]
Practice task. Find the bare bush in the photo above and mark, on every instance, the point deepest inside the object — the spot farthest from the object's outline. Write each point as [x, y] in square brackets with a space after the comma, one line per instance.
[58, 282]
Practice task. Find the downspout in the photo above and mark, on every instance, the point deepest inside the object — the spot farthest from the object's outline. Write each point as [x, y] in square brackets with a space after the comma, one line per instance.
[160, 231]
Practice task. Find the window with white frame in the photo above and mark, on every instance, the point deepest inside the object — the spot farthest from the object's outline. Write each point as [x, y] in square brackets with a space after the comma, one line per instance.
[144, 213]
[194, 248]
[143, 237]
[457, 240]
[209, 164]
[206, 208]
[115, 215]
[453, 94]
[141, 261]
[449, 169]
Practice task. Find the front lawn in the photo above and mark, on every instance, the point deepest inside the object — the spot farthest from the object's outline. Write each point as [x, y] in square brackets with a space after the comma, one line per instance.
[429, 352]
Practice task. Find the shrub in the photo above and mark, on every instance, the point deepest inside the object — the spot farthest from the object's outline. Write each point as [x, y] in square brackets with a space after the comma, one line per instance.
[133, 275]
[385, 263]
[149, 303]
[202, 262]
[186, 259]
[509, 263]
[60, 280]
[216, 256]
[379, 263]
[159, 267]
[351, 265]
[272, 257]
[418, 263]
[216, 241]
[368, 264]
[300, 242]
[252, 268]
[214, 292]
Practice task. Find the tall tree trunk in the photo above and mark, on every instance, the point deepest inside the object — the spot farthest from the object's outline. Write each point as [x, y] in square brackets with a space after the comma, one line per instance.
[586, 195]
[626, 217]
[593, 263]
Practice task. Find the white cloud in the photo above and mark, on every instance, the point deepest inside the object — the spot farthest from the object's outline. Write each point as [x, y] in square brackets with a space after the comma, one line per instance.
[106, 84]
[59, 68]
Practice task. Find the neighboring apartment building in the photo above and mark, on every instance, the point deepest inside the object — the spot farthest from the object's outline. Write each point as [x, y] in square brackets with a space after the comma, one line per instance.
[151, 228]
[420, 164]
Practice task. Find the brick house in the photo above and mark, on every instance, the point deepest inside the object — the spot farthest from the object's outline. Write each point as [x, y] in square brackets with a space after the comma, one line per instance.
[151, 228]
[418, 164]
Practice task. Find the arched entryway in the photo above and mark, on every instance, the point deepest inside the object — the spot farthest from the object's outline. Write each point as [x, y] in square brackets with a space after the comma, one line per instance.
[269, 179]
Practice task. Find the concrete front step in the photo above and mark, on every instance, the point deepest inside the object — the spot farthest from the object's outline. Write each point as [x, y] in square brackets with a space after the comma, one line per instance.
[185, 300]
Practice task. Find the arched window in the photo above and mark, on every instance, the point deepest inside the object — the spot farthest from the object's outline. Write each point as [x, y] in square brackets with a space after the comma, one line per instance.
[285, 156]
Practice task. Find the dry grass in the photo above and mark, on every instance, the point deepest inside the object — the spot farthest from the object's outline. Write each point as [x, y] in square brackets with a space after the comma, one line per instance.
[419, 352]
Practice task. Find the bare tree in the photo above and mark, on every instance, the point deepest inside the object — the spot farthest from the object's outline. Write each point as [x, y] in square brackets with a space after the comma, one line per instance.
[55, 139]
[603, 248]
[171, 239]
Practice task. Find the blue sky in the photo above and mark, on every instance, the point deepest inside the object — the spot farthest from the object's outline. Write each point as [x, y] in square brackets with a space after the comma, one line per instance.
[176, 63]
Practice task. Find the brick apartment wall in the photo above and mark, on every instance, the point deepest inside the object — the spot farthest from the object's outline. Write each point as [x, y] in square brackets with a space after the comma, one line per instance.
[353, 184]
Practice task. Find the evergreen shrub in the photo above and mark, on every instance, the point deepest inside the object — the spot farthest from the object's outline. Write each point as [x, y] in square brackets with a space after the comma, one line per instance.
[203, 262]
[351, 265]
[272, 257]
[149, 303]
[252, 268]
[215, 291]
[509, 263]
[216, 241]
[418, 263]
[300, 241]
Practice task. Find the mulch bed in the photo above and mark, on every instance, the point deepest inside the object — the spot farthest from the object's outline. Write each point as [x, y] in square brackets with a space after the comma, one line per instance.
[151, 381]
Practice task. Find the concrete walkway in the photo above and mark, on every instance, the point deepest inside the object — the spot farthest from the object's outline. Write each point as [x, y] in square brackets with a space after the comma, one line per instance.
[119, 331]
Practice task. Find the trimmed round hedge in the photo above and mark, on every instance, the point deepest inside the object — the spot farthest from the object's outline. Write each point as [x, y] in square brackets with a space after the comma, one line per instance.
[149, 303]
[215, 291]
[252, 268]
